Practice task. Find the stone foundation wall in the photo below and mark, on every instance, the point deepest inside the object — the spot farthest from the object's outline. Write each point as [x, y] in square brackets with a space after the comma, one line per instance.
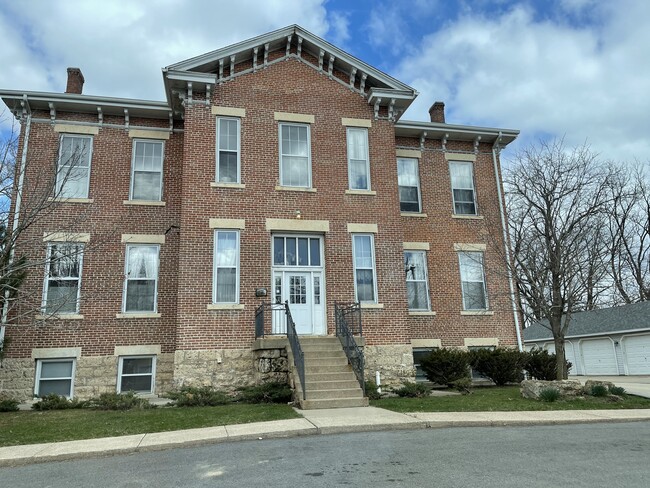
[394, 363]
[17, 378]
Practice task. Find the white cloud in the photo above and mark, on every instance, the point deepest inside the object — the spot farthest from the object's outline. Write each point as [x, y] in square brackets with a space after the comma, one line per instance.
[339, 29]
[545, 77]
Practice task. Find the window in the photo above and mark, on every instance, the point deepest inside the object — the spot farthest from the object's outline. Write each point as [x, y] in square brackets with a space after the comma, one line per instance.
[141, 283]
[473, 281]
[418, 354]
[136, 373]
[462, 187]
[228, 148]
[296, 251]
[295, 155]
[408, 179]
[63, 278]
[417, 289]
[146, 177]
[475, 374]
[364, 268]
[226, 266]
[73, 169]
[358, 166]
[54, 376]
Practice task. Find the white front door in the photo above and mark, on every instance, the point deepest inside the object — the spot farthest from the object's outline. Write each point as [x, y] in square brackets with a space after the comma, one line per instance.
[298, 292]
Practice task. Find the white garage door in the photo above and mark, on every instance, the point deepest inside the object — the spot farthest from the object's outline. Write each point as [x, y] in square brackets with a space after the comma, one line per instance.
[637, 354]
[599, 357]
[569, 354]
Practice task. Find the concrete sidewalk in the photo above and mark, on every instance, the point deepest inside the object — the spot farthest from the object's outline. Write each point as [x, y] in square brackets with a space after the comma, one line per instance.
[326, 421]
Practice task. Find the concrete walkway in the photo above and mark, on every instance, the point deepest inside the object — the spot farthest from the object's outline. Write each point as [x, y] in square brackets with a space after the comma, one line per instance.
[326, 421]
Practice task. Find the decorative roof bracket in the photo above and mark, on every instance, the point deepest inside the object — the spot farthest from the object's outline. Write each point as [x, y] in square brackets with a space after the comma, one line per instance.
[377, 102]
[52, 112]
[330, 68]
[126, 118]
[100, 115]
[353, 75]
[362, 86]
[220, 70]
[208, 91]
[171, 122]
[189, 93]
[255, 49]
[266, 54]
[232, 67]
[24, 104]
[476, 141]
[299, 46]
[444, 142]
[423, 137]
[391, 109]
[288, 46]
[321, 55]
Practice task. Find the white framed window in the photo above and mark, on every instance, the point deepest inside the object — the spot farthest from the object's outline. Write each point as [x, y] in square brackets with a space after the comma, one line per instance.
[358, 161]
[417, 281]
[147, 170]
[141, 278]
[472, 278]
[228, 149]
[73, 167]
[226, 267]
[54, 376]
[462, 187]
[408, 179]
[418, 354]
[365, 277]
[62, 288]
[136, 373]
[296, 251]
[295, 155]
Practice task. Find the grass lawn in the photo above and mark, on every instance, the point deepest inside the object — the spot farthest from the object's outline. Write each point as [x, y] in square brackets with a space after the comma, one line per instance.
[499, 400]
[65, 425]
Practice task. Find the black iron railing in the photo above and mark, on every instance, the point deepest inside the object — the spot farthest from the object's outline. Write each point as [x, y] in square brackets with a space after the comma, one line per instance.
[296, 350]
[346, 313]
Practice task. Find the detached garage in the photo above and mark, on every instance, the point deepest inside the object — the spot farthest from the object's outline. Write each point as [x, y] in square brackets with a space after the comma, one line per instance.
[606, 342]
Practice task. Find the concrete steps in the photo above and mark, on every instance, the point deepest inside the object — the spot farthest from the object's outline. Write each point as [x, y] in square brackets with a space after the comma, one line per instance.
[329, 379]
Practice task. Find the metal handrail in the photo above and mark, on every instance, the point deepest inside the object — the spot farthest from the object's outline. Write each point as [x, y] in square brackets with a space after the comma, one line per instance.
[266, 315]
[343, 331]
[296, 349]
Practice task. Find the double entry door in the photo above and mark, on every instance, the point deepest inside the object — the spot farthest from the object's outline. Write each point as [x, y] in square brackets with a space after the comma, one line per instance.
[298, 280]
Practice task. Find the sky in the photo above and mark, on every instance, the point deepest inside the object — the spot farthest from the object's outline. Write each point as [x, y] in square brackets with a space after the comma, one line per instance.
[572, 69]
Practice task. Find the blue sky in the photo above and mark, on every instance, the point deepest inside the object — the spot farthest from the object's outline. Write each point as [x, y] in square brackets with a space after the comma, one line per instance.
[576, 69]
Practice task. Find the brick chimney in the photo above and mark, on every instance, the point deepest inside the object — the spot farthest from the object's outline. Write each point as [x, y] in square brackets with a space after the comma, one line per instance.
[75, 81]
[437, 112]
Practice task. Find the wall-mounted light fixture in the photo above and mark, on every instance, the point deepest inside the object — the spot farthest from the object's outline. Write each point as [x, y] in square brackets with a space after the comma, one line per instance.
[297, 214]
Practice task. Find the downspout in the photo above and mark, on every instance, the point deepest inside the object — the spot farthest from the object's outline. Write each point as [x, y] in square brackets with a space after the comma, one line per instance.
[19, 193]
[504, 228]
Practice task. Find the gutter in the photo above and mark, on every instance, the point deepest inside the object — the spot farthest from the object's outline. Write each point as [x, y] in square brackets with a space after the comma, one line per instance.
[504, 228]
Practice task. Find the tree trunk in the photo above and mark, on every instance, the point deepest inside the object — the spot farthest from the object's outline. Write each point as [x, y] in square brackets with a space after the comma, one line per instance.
[560, 359]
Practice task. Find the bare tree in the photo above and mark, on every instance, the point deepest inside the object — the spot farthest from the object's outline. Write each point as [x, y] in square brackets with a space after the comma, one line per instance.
[556, 198]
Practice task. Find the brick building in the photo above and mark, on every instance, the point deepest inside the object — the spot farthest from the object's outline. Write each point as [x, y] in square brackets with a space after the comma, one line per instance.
[278, 169]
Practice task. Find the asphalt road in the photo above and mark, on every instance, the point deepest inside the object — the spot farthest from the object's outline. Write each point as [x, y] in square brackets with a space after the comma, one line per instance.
[589, 455]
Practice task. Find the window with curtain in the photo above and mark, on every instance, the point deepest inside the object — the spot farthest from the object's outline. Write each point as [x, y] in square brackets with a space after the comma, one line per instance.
[408, 179]
[295, 155]
[136, 373]
[73, 168]
[473, 281]
[417, 288]
[63, 278]
[228, 150]
[141, 283]
[358, 164]
[364, 267]
[462, 187]
[226, 266]
[147, 170]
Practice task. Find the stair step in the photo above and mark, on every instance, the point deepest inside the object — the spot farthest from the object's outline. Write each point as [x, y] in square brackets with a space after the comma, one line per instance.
[310, 355]
[331, 394]
[320, 347]
[319, 340]
[332, 385]
[340, 376]
[334, 403]
[327, 361]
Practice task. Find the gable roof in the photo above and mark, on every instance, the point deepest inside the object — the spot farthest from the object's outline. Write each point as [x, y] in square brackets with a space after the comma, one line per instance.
[632, 317]
[206, 70]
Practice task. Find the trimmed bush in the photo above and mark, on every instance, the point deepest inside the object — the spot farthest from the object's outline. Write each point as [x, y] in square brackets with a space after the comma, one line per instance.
[8, 405]
[372, 391]
[501, 365]
[617, 390]
[198, 396]
[549, 395]
[541, 365]
[412, 390]
[599, 391]
[272, 392]
[445, 366]
[53, 401]
[120, 401]
[463, 385]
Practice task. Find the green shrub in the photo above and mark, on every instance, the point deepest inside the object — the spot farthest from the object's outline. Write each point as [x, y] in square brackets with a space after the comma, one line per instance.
[463, 385]
[272, 392]
[8, 405]
[599, 391]
[199, 396]
[445, 366]
[412, 390]
[549, 395]
[372, 391]
[501, 365]
[120, 401]
[541, 365]
[53, 401]
[617, 390]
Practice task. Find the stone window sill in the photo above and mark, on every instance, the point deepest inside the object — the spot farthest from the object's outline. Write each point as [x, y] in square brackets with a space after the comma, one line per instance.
[294, 188]
[415, 313]
[138, 315]
[368, 193]
[477, 312]
[225, 306]
[372, 306]
[467, 217]
[414, 214]
[215, 184]
[60, 316]
[151, 203]
[71, 200]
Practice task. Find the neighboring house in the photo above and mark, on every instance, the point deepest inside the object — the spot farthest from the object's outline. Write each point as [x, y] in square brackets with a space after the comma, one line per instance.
[278, 169]
[611, 341]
